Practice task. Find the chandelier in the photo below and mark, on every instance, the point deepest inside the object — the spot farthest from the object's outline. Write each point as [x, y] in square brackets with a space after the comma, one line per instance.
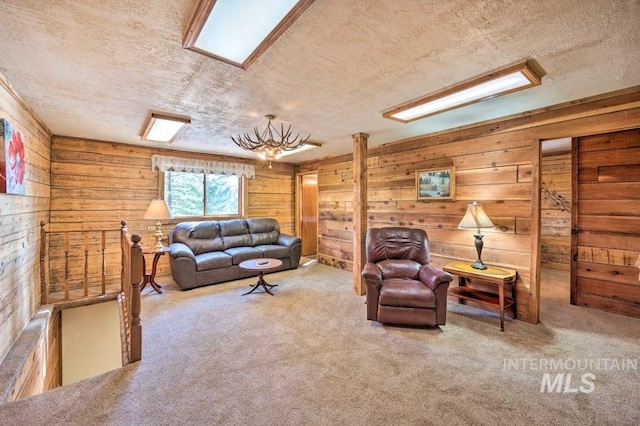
[271, 143]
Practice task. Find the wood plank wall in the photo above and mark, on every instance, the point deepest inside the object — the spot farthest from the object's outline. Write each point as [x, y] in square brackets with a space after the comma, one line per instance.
[20, 217]
[608, 238]
[95, 185]
[555, 232]
[494, 164]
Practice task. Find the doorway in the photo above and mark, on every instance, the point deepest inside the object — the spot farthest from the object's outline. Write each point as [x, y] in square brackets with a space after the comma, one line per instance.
[555, 227]
[307, 212]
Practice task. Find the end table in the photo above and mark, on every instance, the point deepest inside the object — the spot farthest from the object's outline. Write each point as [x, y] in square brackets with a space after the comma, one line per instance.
[151, 277]
[492, 275]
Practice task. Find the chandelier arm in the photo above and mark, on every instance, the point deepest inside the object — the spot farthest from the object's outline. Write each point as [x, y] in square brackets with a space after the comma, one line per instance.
[271, 142]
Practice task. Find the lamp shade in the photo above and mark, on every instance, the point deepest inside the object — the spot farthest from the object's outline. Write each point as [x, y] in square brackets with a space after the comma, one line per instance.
[157, 210]
[475, 218]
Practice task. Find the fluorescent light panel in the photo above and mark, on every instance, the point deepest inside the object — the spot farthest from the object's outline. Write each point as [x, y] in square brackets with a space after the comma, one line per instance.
[501, 82]
[305, 147]
[164, 128]
[237, 32]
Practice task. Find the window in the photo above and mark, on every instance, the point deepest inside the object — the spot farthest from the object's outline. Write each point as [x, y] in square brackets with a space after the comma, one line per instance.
[200, 194]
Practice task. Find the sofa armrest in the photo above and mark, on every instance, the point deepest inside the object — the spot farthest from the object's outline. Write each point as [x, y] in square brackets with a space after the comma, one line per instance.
[288, 240]
[433, 277]
[181, 250]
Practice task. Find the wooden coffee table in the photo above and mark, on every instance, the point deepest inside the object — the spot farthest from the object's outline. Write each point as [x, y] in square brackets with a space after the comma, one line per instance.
[262, 265]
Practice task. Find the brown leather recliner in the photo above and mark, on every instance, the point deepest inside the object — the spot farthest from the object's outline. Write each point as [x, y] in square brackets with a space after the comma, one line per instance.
[402, 288]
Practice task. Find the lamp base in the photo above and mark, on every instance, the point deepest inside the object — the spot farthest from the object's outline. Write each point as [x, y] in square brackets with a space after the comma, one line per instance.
[158, 235]
[478, 265]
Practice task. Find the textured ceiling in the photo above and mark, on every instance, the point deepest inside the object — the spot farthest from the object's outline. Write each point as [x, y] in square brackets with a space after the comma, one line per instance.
[96, 68]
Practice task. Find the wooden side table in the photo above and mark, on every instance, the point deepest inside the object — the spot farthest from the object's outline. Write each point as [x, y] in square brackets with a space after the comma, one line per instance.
[492, 275]
[151, 277]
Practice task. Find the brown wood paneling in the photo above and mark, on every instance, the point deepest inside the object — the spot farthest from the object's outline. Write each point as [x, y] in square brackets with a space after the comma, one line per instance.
[555, 221]
[20, 217]
[608, 223]
[494, 163]
[96, 184]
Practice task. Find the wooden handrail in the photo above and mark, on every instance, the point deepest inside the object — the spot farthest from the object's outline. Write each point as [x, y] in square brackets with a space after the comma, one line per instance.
[128, 290]
[70, 261]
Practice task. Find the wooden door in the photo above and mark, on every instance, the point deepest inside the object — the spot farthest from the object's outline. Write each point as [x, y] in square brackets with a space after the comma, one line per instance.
[606, 222]
[309, 214]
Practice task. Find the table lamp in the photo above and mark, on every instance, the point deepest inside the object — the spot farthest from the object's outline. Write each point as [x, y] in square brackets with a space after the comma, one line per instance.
[476, 218]
[158, 210]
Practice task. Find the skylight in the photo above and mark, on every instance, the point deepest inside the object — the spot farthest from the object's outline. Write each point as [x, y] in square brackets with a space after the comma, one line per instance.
[237, 32]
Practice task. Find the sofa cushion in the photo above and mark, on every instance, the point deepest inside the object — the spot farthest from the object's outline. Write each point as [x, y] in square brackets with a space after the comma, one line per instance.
[407, 293]
[200, 237]
[240, 254]
[212, 260]
[274, 251]
[263, 230]
[235, 233]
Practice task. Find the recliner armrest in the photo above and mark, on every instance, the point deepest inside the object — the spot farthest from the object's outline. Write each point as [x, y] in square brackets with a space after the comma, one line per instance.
[372, 274]
[181, 250]
[288, 240]
[433, 276]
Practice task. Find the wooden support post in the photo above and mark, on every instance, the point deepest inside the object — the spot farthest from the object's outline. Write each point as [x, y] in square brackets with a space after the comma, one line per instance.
[359, 209]
[136, 279]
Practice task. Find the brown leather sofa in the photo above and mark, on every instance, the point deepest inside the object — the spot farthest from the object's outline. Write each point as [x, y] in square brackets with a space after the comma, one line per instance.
[203, 253]
[402, 288]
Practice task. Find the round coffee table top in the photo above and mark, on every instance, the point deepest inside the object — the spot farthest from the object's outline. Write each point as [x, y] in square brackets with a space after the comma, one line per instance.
[262, 264]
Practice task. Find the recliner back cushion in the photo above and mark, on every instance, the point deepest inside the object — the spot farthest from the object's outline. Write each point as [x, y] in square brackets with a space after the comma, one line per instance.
[235, 233]
[399, 268]
[397, 243]
[263, 231]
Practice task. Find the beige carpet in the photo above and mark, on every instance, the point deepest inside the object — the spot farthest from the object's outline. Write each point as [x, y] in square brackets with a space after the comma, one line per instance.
[307, 356]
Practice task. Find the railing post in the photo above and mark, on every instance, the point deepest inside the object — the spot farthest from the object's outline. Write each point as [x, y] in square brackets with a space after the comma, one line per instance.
[124, 248]
[136, 279]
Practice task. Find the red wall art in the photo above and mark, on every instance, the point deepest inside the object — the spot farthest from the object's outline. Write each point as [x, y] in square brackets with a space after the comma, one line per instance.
[12, 164]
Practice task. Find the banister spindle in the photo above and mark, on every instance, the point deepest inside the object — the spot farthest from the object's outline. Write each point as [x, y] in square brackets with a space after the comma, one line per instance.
[104, 262]
[86, 263]
[66, 266]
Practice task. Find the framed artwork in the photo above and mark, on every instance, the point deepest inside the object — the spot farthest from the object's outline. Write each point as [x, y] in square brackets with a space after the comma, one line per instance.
[12, 164]
[436, 184]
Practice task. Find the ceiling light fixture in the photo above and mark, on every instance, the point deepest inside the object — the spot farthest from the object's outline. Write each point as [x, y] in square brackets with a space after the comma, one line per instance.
[238, 32]
[164, 127]
[273, 144]
[507, 80]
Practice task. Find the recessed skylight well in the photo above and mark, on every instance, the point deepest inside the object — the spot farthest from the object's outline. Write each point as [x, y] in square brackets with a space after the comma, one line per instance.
[164, 127]
[238, 32]
[501, 82]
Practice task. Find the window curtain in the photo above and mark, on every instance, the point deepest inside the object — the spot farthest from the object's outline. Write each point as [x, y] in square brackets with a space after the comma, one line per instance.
[192, 165]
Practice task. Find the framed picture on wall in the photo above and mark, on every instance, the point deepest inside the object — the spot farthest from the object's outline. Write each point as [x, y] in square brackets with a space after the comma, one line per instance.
[436, 184]
[12, 165]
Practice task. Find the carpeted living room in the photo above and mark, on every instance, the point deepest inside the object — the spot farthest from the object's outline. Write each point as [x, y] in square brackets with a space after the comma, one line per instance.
[309, 356]
[319, 212]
